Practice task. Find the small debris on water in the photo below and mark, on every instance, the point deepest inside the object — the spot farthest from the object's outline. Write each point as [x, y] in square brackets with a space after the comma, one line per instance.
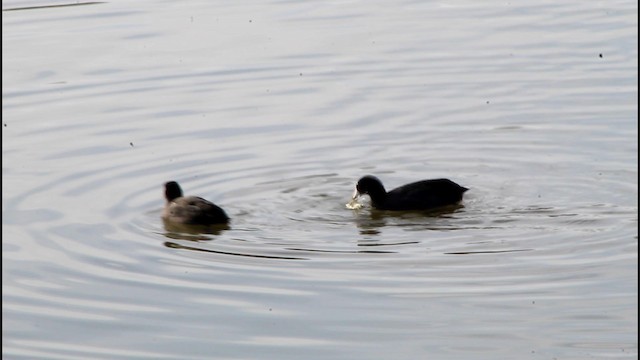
[354, 204]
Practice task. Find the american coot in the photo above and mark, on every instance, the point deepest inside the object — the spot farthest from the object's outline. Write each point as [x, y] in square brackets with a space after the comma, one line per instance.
[420, 195]
[190, 210]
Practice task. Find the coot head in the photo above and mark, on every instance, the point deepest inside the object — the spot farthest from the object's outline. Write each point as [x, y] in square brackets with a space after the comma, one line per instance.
[172, 190]
[369, 185]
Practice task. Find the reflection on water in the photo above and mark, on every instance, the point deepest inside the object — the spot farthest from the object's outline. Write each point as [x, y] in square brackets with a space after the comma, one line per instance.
[436, 219]
[187, 232]
[275, 110]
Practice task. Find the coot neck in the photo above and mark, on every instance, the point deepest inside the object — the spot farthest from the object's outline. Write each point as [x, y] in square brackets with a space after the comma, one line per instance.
[378, 195]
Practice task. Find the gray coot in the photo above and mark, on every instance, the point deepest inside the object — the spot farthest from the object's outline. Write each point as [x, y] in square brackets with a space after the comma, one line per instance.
[190, 210]
[419, 195]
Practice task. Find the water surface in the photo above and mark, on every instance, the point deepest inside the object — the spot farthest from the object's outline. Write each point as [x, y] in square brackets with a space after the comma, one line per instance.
[273, 110]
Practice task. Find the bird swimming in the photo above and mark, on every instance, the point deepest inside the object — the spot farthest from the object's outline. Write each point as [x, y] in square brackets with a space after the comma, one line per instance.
[190, 210]
[419, 195]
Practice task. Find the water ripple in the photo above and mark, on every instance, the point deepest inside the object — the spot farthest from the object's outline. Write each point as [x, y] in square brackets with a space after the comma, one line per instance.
[531, 106]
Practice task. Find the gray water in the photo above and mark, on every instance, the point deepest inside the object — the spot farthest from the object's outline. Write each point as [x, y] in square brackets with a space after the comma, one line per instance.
[273, 110]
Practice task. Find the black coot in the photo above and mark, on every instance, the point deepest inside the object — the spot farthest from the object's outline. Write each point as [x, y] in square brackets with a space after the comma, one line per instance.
[190, 210]
[420, 195]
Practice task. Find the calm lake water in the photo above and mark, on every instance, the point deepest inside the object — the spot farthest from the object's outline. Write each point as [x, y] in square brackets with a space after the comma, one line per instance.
[273, 110]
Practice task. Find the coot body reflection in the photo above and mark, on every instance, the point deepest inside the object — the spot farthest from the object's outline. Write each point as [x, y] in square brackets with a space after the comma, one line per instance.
[419, 195]
[190, 210]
